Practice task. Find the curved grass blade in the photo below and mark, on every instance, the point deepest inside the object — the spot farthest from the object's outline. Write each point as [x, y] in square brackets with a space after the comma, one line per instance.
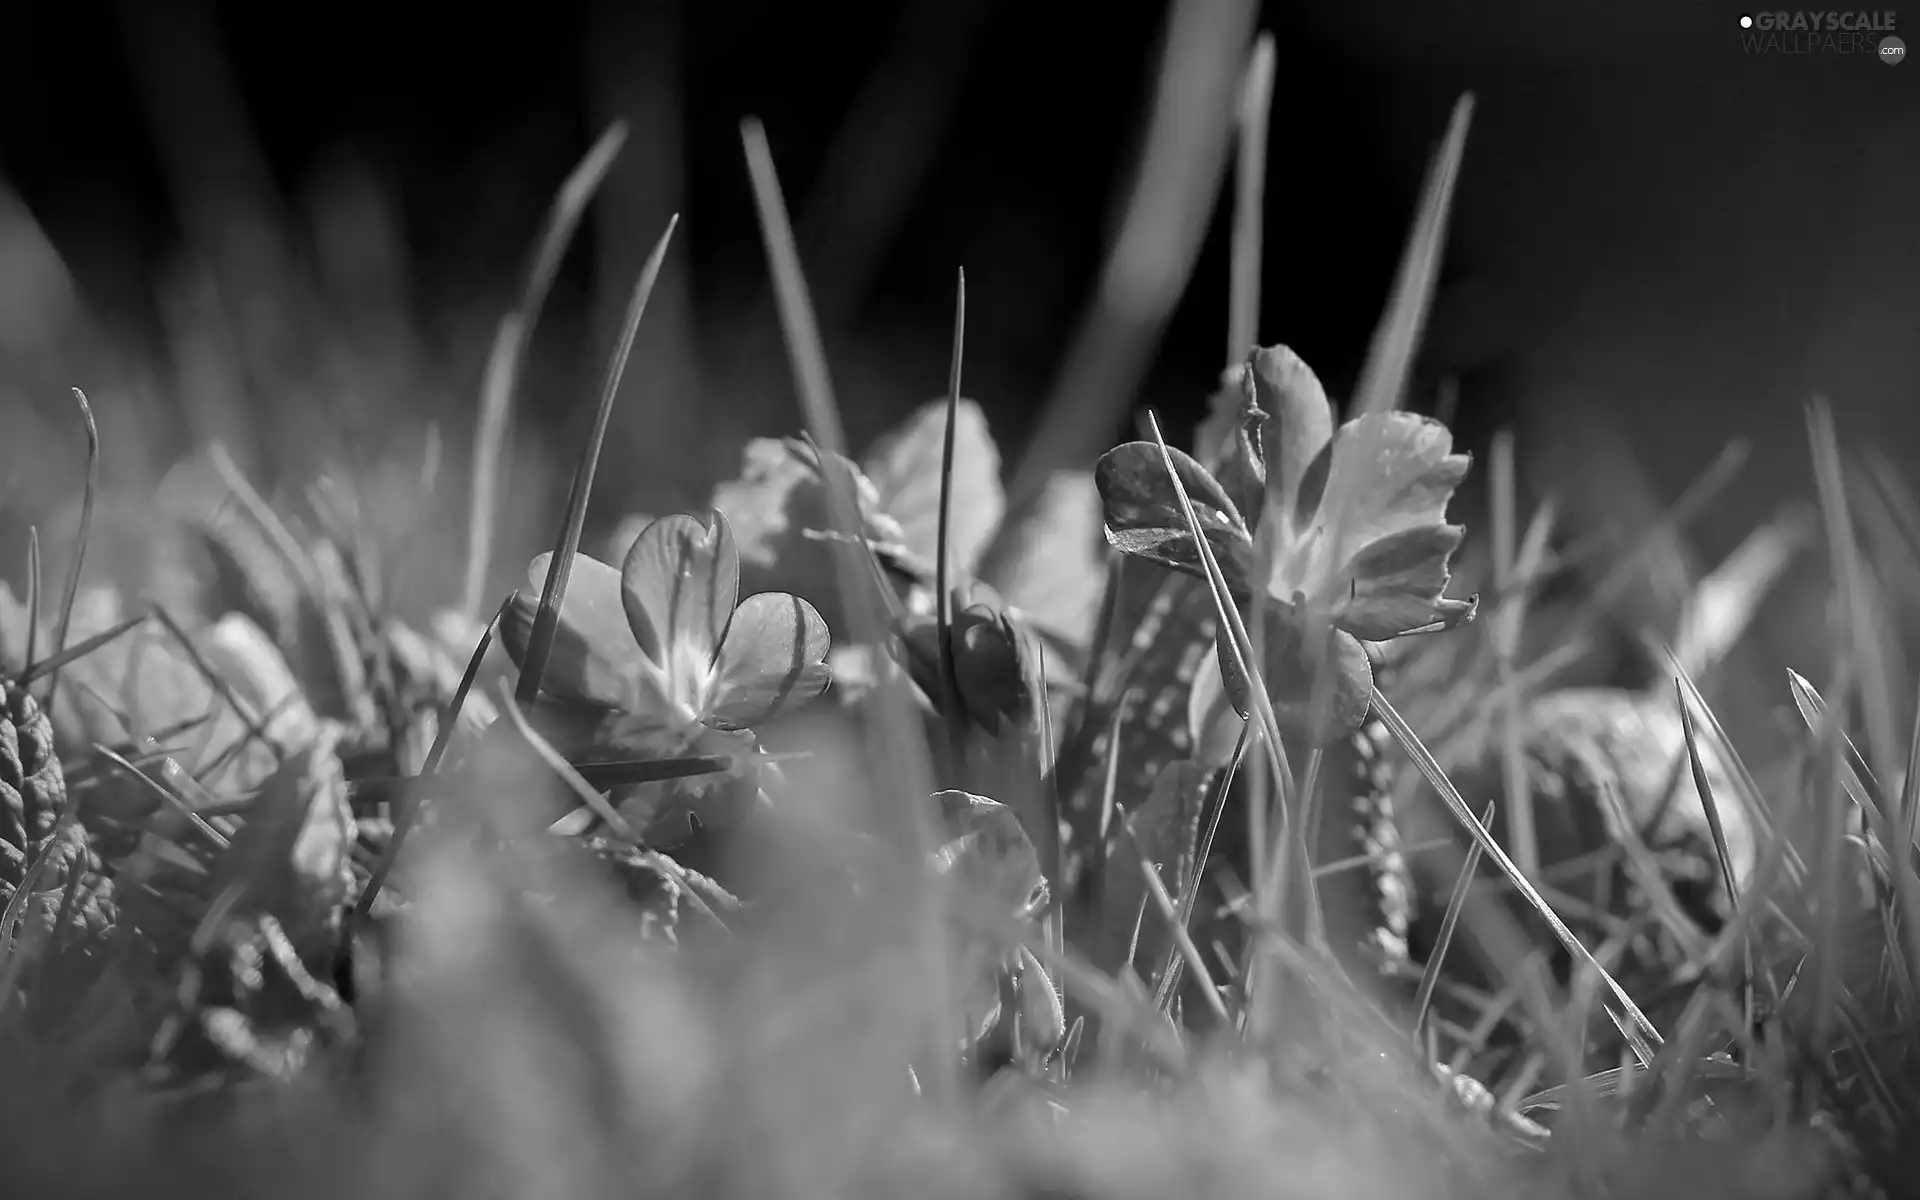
[1720, 850]
[72, 592]
[546, 618]
[1856, 776]
[1745, 785]
[510, 346]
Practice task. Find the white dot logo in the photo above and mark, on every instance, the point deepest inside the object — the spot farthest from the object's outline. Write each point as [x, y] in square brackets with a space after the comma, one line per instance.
[1746, 22]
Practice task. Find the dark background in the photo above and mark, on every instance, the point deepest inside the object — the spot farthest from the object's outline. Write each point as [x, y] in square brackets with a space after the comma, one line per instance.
[1660, 242]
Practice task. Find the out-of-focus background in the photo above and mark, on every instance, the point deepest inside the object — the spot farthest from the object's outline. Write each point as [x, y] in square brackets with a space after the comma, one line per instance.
[295, 231]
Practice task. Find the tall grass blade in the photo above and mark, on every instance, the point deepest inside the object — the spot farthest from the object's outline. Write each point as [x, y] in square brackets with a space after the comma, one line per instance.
[509, 349]
[72, 592]
[1180, 171]
[1249, 202]
[1383, 380]
[952, 713]
[1862, 625]
[408, 808]
[546, 618]
[34, 596]
[895, 740]
[1505, 636]
[1724, 856]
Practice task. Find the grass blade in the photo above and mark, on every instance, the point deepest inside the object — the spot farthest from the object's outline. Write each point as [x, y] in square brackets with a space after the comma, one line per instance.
[168, 797]
[1183, 942]
[1180, 171]
[1857, 602]
[510, 347]
[1202, 855]
[1249, 202]
[1410, 742]
[53, 662]
[1383, 380]
[1241, 645]
[587, 795]
[951, 708]
[903, 750]
[1855, 776]
[33, 595]
[546, 618]
[1449, 922]
[1719, 830]
[1721, 607]
[409, 806]
[1505, 636]
[72, 592]
[895, 740]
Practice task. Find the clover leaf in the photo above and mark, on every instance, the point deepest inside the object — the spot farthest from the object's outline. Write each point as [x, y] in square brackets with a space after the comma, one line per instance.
[1144, 517]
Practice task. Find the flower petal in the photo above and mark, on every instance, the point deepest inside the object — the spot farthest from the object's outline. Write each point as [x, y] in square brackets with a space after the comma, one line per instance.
[1302, 427]
[593, 651]
[1386, 473]
[772, 658]
[678, 585]
[1395, 584]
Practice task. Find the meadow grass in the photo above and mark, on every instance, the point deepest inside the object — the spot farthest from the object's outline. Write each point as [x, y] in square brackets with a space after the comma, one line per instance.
[317, 898]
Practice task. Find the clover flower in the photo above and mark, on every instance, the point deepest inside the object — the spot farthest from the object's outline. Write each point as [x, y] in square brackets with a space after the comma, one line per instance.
[667, 635]
[1349, 527]
[661, 658]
